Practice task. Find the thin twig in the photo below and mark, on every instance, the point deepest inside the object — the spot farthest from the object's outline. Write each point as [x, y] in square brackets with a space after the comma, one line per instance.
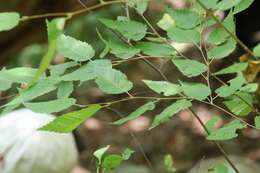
[71, 14]
[193, 112]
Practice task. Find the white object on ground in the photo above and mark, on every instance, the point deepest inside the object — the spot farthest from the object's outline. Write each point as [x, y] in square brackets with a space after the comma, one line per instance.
[25, 150]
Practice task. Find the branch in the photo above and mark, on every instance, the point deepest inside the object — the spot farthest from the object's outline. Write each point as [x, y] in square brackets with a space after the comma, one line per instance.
[190, 109]
[73, 13]
[227, 30]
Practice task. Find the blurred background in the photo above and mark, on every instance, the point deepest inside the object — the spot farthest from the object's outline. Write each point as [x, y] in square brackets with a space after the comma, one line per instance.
[182, 136]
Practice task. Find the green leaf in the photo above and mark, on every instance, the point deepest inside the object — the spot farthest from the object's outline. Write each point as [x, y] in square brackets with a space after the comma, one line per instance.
[54, 28]
[170, 111]
[9, 20]
[256, 50]
[155, 49]
[122, 50]
[210, 125]
[40, 88]
[168, 163]
[113, 82]
[234, 68]
[139, 5]
[227, 4]
[166, 22]
[223, 50]
[184, 36]
[52, 106]
[219, 168]
[15, 75]
[235, 84]
[219, 35]
[70, 121]
[227, 132]
[240, 104]
[190, 68]
[195, 90]
[60, 69]
[112, 161]
[100, 153]
[242, 5]
[184, 18]
[65, 89]
[210, 4]
[257, 122]
[127, 153]
[73, 49]
[89, 71]
[163, 87]
[250, 88]
[137, 113]
[129, 29]
[5, 85]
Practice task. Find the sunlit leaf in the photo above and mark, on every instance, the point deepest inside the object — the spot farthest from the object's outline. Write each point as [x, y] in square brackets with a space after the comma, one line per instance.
[70, 121]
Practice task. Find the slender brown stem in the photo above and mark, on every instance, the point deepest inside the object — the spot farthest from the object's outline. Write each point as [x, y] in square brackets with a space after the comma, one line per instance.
[73, 13]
